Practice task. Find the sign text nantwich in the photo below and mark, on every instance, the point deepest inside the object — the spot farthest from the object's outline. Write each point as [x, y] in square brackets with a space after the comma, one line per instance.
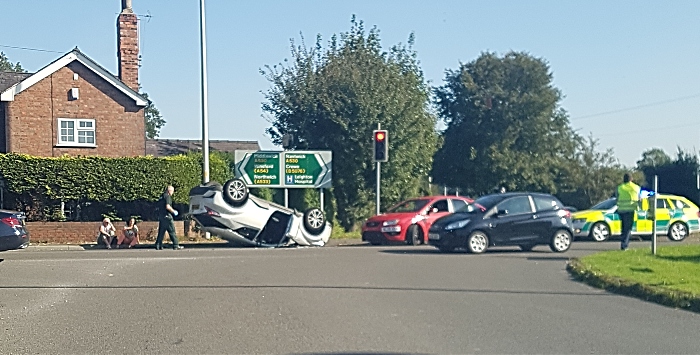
[289, 169]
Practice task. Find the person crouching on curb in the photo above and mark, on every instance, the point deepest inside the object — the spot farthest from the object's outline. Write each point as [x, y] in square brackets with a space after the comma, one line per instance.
[130, 234]
[107, 232]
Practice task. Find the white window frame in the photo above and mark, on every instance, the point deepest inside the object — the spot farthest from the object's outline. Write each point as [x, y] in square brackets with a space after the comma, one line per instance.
[76, 132]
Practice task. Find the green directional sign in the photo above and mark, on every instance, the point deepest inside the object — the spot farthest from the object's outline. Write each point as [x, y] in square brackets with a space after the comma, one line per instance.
[262, 169]
[301, 169]
[289, 169]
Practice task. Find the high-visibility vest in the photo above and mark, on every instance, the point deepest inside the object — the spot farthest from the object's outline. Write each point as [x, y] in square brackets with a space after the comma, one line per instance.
[627, 197]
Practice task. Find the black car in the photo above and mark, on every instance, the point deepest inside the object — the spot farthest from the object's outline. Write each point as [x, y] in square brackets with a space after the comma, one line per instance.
[13, 234]
[523, 219]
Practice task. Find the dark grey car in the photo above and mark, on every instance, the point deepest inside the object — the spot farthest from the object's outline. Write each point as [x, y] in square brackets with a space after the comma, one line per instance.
[523, 219]
[13, 234]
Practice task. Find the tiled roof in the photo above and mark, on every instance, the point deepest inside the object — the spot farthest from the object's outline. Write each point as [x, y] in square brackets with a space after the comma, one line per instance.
[7, 93]
[168, 147]
[7, 79]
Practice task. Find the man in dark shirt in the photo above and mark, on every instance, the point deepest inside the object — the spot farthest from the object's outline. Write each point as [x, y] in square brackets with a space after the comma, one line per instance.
[165, 219]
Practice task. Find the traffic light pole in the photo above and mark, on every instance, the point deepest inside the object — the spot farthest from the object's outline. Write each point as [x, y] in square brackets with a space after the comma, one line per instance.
[379, 178]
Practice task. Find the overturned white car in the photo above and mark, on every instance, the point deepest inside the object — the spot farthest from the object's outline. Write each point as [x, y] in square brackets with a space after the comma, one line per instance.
[232, 213]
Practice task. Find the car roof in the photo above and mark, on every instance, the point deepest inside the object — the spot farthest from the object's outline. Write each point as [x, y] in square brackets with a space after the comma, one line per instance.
[436, 197]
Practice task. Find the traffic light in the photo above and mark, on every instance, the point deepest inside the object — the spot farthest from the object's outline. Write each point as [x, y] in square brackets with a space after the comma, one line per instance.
[381, 146]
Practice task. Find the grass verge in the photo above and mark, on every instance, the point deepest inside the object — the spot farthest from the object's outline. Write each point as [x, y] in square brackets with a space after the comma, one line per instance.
[340, 233]
[671, 278]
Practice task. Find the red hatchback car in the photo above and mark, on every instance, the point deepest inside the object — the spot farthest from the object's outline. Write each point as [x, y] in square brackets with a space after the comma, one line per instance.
[408, 222]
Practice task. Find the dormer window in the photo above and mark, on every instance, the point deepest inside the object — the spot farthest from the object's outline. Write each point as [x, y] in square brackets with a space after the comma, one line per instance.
[76, 132]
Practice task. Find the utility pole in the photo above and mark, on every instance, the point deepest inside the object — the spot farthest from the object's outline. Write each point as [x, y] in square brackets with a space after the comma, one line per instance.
[205, 112]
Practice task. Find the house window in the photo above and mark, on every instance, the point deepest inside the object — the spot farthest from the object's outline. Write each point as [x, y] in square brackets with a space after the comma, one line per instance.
[76, 132]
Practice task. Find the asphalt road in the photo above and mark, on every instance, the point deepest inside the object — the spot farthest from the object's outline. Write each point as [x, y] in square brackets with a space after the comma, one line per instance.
[323, 300]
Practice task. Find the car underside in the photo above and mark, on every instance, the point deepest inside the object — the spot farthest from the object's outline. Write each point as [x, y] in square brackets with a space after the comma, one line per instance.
[247, 220]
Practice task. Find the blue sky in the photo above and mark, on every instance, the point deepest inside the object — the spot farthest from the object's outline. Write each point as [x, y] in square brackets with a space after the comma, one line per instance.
[629, 70]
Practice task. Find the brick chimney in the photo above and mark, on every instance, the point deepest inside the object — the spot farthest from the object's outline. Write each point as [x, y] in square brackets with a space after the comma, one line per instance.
[128, 46]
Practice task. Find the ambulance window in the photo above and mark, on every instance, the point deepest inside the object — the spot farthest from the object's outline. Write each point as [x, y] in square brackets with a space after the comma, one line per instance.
[680, 204]
[661, 203]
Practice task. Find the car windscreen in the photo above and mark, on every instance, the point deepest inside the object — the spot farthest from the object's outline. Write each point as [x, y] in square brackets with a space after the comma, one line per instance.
[605, 205]
[409, 206]
[482, 204]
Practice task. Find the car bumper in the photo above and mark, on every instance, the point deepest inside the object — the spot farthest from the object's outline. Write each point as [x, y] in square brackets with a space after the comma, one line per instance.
[12, 242]
[446, 239]
[377, 236]
[582, 229]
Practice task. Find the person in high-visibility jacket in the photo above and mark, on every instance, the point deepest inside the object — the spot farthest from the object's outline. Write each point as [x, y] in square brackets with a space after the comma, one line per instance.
[627, 202]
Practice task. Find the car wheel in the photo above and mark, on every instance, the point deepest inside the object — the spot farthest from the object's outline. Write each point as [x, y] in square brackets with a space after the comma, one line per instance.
[477, 242]
[600, 232]
[314, 221]
[414, 235]
[677, 232]
[561, 241]
[235, 192]
[527, 247]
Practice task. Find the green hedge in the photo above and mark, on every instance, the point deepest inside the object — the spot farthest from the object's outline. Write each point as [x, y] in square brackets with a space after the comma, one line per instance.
[50, 181]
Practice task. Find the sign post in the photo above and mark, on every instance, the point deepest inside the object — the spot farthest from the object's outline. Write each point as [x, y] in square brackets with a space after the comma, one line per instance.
[652, 205]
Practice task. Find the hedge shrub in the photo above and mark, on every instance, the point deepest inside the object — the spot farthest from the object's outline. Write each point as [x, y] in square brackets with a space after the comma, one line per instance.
[42, 182]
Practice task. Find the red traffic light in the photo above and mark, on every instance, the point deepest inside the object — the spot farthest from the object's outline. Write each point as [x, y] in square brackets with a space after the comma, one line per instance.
[381, 145]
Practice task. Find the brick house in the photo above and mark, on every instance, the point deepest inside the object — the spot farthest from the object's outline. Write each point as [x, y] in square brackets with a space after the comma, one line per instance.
[75, 106]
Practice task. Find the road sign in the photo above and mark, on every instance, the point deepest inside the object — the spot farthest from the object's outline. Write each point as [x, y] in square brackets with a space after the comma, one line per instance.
[262, 169]
[289, 169]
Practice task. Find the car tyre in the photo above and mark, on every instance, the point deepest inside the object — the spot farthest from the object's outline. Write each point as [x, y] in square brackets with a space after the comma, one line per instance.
[235, 192]
[678, 232]
[600, 232]
[477, 242]
[414, 235]
[314, 221]
[561, 241]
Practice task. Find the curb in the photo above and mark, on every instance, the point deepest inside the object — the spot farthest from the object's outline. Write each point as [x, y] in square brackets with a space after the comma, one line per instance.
[54, 247]
[93, 246]
[671, 298]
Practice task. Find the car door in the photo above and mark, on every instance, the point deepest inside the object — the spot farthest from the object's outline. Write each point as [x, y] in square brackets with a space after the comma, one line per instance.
[642, 219]
[547, 211]
[436, 210]
[513, 221]
[663, 215]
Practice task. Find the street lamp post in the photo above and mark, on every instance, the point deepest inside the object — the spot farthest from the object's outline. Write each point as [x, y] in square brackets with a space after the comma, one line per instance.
[205, 113]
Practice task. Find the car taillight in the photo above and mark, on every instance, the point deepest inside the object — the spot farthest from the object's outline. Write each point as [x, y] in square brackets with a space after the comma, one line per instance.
[211, 212]
[11, 221]
[564, 213]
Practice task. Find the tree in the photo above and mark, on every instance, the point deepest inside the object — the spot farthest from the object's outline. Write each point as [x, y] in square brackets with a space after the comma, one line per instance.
[591, 177]
[678, 176]
[504, 126]
[651, 160]
[332, 98]
[154, 121]
[6, 65]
